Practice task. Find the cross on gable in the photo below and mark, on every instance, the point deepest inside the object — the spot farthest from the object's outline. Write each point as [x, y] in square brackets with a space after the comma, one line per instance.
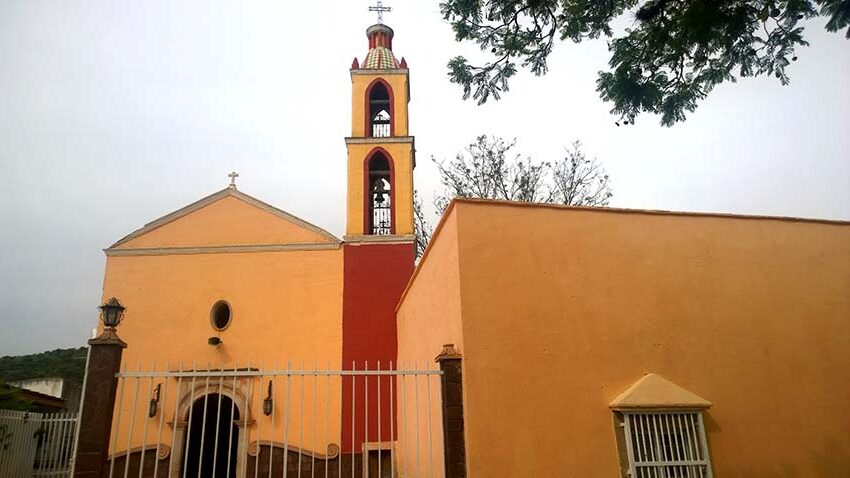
[380, 8]
[233, 175]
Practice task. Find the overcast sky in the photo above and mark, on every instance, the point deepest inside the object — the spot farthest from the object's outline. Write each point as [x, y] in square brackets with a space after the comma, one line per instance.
[114, 113]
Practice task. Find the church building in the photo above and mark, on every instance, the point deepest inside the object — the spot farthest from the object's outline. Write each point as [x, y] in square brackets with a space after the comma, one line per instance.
[569, 341]
[230, 282]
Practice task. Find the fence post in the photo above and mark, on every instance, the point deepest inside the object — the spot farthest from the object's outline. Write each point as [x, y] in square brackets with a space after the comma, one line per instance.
[95, 420]
[452, 390]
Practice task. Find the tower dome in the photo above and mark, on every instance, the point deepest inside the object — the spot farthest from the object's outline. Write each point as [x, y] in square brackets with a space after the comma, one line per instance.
[380, 56]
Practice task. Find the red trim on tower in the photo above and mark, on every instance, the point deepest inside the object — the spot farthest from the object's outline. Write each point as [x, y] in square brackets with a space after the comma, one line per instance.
[368, 110]
[367, 190]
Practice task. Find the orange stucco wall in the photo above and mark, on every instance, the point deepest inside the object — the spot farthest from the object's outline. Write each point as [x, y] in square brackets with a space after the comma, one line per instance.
[286, 305]
[428, 317]
[402, 157]
[563, 309]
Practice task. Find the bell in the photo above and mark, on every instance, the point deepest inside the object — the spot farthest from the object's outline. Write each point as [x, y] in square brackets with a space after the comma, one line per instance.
[379, 191]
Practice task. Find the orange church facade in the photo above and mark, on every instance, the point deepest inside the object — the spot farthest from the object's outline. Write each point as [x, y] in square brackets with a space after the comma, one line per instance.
[230, 282]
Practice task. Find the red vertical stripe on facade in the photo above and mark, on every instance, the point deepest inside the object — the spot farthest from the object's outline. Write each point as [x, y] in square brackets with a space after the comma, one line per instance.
[375, 276]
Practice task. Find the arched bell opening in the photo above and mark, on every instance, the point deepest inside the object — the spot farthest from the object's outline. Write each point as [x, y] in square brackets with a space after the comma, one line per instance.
[380, 110]
[379, 181]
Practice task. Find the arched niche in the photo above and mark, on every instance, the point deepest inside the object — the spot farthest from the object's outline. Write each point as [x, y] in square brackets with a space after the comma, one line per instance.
[380, 111]
[379, 194]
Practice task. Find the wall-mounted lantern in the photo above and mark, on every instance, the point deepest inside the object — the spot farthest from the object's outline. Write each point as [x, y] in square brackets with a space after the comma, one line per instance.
[267, 403]
[154, 402]
[111, 313]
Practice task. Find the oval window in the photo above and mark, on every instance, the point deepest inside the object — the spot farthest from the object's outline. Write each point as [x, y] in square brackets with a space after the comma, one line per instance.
[220, 315]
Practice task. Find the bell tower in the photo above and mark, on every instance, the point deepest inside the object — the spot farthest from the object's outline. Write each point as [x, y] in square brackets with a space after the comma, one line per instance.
[378, 248]
[380, 150]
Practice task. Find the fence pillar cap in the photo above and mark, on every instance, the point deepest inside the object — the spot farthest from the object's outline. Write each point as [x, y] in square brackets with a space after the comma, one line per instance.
[108, 337]
[448, 353]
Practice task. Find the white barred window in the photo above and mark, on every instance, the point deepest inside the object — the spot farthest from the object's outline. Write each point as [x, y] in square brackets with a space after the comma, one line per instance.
[665, 444]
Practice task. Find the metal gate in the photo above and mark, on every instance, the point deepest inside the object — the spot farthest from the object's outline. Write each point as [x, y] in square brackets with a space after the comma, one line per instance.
[37, 445]
[293, 421]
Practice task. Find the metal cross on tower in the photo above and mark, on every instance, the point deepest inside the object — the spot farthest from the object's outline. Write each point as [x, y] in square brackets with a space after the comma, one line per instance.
[380, 8]
[233, 175]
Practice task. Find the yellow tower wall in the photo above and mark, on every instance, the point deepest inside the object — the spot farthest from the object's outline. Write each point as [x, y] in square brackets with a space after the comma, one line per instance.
[401, 154]
[399, 83]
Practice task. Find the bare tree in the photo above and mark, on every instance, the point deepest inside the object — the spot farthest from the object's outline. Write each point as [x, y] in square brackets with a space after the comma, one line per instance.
[420, 226]
[579, 181]
[489, 169]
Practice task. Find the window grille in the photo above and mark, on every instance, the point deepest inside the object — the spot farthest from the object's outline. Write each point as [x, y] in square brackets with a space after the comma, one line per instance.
[666, 444]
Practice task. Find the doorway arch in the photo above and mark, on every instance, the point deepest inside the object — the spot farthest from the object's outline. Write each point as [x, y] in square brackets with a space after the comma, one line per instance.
[212, 440]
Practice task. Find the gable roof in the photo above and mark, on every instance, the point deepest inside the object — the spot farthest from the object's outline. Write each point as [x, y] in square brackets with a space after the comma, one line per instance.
[655, 391]
[229, 192]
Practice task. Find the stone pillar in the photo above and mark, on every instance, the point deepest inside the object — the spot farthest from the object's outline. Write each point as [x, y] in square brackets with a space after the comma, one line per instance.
[453, 435]
[95, 421]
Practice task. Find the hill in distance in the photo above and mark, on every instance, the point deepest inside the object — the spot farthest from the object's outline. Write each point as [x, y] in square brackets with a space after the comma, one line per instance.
[69, 364]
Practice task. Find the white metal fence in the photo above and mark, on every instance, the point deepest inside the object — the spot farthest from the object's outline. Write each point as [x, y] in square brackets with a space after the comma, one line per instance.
[250, 422]
[37, 445]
